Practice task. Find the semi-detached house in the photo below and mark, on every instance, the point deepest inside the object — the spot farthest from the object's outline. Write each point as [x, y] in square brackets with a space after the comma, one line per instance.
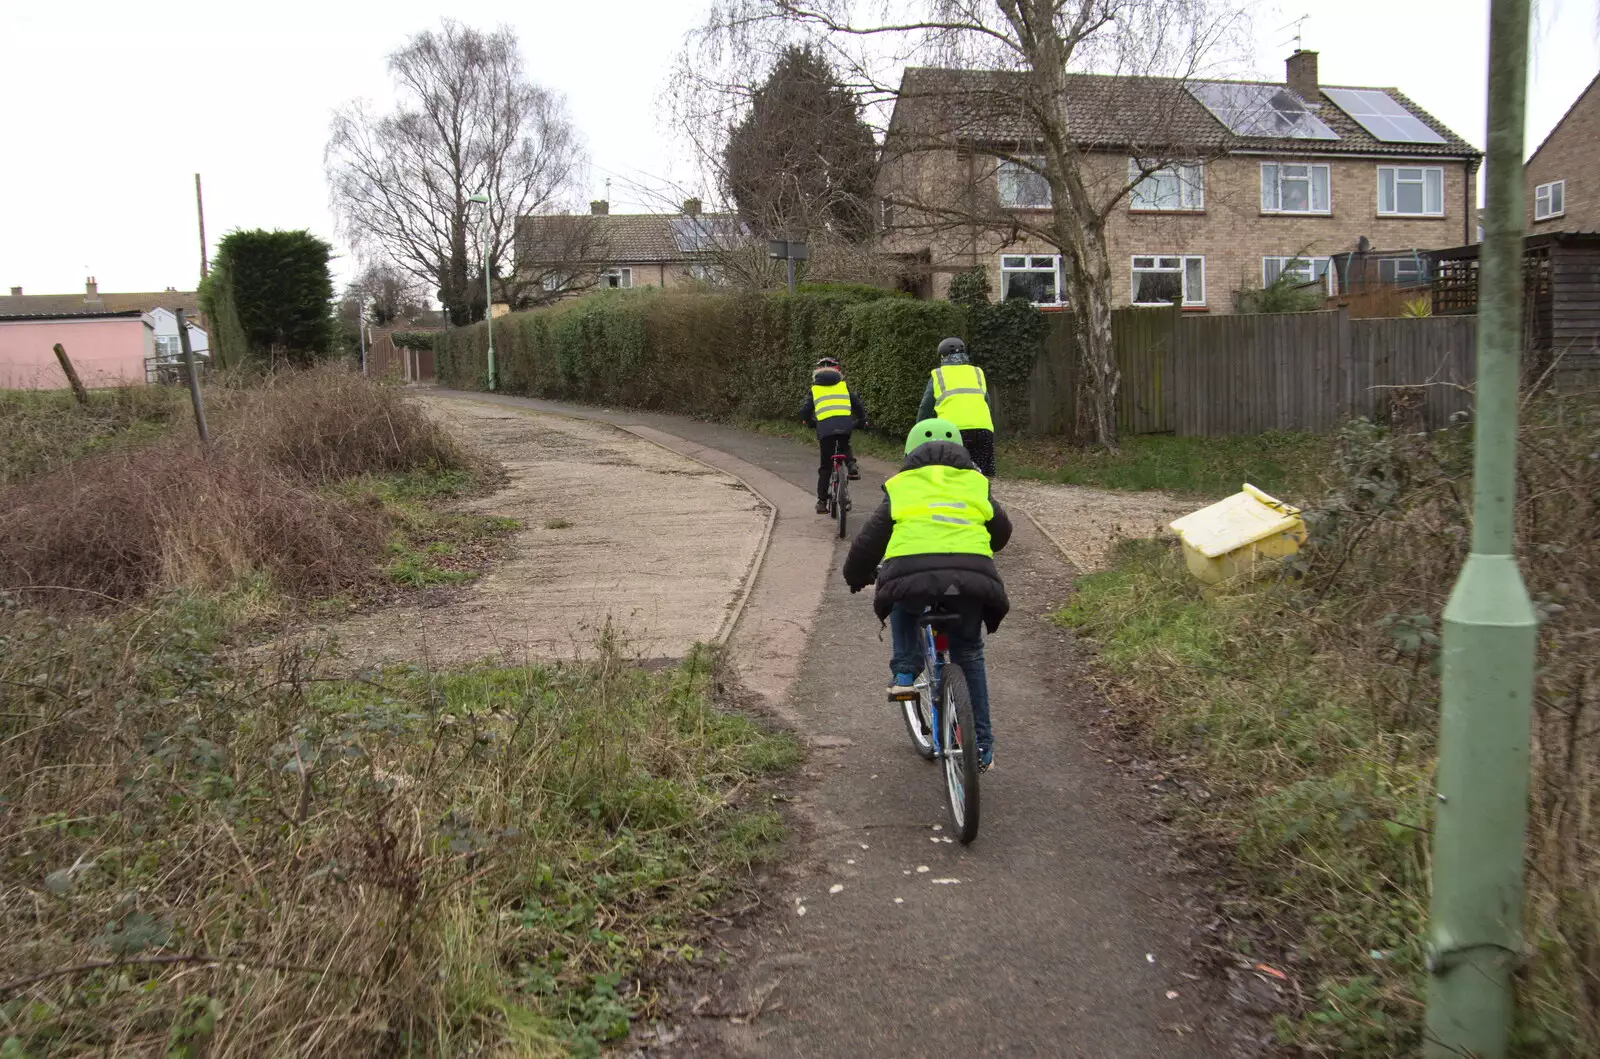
[1245, 180]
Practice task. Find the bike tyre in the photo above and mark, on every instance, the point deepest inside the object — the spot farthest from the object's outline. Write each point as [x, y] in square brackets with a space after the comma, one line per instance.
[841, 492]
[918, 725]
[958, 736]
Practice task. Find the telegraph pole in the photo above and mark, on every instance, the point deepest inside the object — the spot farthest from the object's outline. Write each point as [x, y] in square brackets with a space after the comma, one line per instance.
[200, 210]
[1490, 633]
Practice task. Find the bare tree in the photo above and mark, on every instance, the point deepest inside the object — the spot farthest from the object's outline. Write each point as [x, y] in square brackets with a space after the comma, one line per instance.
[467, 121]
[388, 294]
[1008, 96]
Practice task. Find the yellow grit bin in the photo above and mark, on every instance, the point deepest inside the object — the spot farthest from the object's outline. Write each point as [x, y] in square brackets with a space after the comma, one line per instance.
[1232, 538]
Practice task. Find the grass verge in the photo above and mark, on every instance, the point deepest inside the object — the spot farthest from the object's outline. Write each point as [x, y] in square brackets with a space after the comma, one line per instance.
[1303, 718]
[1282, 463]
[196, 859]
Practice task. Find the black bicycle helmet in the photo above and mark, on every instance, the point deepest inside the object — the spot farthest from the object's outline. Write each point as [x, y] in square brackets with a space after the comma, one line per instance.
[827, 362]
[953, 351]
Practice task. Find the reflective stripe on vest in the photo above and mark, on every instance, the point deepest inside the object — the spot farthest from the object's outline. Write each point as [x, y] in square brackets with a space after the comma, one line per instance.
[960, 394]
[830, 401]
[939, 510]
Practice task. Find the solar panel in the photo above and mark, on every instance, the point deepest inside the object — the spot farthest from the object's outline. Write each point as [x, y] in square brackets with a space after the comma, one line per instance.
[693, 234]
[1261, 110]
[1382, 116]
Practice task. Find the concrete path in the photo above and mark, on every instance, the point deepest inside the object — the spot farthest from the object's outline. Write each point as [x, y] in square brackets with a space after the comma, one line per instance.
[1059, 932]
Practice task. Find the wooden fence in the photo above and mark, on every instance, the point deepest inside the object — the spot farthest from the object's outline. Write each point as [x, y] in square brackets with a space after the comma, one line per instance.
[1244, 374]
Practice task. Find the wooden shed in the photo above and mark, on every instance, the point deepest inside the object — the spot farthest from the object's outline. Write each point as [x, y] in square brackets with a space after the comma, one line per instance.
[1561, 307]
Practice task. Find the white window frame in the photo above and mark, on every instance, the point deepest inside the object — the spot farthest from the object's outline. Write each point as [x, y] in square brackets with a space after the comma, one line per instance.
[1007, 169]
[1191, 187]
[168, 347]
[1031, 265]
[624, 277]
[1393, 174]
[1555, 200]
[1274, 172]
[1157, 263]
[1394, 264]
[1310, 271]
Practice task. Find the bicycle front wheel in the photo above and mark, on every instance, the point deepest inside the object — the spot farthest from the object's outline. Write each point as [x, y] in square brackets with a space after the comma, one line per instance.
[841, 492]
[958, 737]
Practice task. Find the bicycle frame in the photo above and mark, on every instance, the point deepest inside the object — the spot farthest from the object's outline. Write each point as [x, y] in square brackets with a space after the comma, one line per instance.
[935, 656]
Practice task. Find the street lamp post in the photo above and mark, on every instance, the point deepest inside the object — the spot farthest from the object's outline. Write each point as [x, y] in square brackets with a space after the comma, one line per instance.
[488, 284]
[1490, 633]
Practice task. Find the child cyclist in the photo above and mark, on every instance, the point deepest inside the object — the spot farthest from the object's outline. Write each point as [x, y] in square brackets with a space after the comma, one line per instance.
[834, 411]
[936, 533]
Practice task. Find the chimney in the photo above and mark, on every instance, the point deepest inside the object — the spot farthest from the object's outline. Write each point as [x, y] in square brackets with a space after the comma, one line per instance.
[16, 292]
[91, 290]
[691, 207]
[599, 207]
[1302, 68]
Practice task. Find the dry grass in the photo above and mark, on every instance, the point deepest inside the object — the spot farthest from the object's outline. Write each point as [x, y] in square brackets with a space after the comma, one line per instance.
[1307, 717]
[168, 515]
[198, 861]
[327, 425]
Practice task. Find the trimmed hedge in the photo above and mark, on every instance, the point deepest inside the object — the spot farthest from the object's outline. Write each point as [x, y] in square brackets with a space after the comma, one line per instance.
[717, 355]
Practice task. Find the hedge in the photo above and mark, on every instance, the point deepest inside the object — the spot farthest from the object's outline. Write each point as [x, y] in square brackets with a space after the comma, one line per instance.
[714, 355]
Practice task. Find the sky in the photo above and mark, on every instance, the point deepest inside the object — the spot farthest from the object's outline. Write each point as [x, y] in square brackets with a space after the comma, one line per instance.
[112, 107]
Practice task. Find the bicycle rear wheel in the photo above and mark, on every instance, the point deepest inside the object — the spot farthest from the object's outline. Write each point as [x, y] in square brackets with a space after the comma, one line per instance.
[958, 735]
[841, 492]
[919, 724]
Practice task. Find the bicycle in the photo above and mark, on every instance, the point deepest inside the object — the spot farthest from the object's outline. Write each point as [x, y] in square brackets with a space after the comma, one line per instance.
[839, 491]
[938, 716]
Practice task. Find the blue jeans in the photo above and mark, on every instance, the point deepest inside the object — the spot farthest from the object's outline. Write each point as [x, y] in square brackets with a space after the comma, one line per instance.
[966, 651]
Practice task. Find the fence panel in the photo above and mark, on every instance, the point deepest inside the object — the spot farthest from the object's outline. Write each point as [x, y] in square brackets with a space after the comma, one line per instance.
[1144, 343]
[1434, 353]
[1244, 374]
[1053, 385]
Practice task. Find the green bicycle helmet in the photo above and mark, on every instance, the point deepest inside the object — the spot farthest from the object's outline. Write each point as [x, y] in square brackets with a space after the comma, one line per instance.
[932, 430]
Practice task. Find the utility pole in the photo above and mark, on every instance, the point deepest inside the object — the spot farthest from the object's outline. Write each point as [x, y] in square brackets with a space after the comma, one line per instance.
[194, 377]
[200, 209]
[1490, 633]
[488, 283]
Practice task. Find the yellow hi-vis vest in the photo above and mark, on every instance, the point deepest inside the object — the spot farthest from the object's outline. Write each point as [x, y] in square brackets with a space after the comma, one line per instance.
[830, 401]
[960, 394]
[939, 510]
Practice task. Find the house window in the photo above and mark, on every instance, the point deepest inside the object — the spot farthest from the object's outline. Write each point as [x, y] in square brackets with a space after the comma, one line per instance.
[1163, 280]
[1289, 188]
[168, 347]
[1022, 188]
[1549, 200]
[1303, 270]
[1173, 187]
[1400, 271]
[617, 278]
[1410, 191]
[885, 214]
[1036, 277]
[707, 273]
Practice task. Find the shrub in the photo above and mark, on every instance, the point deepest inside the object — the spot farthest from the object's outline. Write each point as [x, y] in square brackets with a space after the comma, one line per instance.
[41, 430]
[325, 425]
[169, 516]
[720, 355]
[144, 519]
[270, 295]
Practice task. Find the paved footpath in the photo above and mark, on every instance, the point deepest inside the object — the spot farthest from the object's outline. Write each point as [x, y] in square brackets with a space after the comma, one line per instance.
[1057, 933]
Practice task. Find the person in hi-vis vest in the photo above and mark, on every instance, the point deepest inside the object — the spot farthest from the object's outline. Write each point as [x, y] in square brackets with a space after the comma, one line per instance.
[958, 392]
[936, 533]
[834, 411]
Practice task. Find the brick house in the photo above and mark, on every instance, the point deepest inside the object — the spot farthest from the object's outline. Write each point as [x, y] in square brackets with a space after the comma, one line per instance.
[1563, 187]
[574, 254]
[1263, 177]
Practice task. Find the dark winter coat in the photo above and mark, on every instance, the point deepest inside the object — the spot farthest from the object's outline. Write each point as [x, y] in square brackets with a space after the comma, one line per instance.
[919, 580]
[833, 425]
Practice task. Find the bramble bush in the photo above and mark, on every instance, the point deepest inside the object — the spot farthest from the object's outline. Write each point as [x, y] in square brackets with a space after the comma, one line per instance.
[742, 355]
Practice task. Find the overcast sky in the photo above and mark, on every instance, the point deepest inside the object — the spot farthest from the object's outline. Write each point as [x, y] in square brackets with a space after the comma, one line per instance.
[112, 106]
